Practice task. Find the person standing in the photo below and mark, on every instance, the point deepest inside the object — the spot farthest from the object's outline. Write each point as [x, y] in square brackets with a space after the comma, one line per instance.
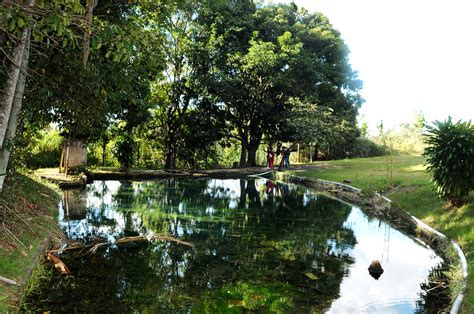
[271, 159]
[282, 161]
[286, 158]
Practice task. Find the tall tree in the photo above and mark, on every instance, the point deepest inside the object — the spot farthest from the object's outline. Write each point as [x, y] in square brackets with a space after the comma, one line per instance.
[19, 21]
[173, 91]
[289, 53]
[83, 100]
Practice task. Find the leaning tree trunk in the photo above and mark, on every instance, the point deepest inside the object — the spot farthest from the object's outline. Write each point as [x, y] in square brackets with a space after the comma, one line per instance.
[10, 130]
[11, 85]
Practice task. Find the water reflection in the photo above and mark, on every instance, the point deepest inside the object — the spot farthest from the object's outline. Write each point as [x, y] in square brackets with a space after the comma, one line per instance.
[258, 245]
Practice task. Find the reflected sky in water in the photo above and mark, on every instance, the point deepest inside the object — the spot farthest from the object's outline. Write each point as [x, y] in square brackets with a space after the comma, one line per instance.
[258, 245]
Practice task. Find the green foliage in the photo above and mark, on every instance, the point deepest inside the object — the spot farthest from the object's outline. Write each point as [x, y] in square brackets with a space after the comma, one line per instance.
[364, 147]
[38, 149]
[406, 139]
[69, 95]
[450, 158]
[254, 59]
[199, 133]
[364, 129]
[49, 20]
[235, 64]
[124, 148]
[332, 134]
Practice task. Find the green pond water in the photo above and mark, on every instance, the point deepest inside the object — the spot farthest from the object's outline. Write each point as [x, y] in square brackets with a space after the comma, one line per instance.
[258, 246]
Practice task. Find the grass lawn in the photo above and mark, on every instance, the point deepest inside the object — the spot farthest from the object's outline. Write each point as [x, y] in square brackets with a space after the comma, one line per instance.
[27, 209]
[405, 180]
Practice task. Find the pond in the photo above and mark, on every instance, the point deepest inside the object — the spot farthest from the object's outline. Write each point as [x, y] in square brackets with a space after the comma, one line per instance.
[258, 245]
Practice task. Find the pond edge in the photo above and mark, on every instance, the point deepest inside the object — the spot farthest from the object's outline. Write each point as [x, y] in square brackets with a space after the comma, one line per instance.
[377, 202]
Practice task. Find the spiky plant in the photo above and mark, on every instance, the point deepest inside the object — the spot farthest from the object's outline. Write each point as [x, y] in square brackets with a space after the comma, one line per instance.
[450, 158]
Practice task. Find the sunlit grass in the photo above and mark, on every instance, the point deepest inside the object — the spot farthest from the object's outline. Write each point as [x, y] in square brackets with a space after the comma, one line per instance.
[409, 187]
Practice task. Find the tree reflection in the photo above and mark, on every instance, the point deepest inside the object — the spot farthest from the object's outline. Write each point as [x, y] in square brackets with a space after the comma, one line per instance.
[255, 248]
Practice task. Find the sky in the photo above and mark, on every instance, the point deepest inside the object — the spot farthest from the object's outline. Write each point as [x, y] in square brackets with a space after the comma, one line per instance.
[412, 55]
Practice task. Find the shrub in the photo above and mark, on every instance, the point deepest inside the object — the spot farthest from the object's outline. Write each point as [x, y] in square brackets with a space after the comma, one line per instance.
[364, 147]
[405, 139]
[124, 148]
[38, 149]
[450, 159]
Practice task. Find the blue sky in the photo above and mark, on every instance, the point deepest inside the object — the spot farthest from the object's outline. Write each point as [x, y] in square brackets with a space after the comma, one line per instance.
[412, 55]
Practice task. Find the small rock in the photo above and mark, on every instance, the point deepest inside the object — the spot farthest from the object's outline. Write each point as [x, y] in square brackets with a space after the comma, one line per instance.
[375, 269]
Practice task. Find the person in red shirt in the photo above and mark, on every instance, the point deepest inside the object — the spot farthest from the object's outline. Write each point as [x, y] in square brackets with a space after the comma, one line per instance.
[271, 158]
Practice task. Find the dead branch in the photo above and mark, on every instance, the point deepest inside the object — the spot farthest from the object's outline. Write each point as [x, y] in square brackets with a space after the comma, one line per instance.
[13, 236]
[22, 220]
[9, 281]
[93, 248]
[168, 238]
[131, 239]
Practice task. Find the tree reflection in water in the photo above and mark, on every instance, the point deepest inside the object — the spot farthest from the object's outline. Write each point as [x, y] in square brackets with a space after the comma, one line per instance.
[256, 247]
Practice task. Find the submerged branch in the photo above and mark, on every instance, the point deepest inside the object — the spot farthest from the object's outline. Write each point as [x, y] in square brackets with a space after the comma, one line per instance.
[155, 237]
[92, 248]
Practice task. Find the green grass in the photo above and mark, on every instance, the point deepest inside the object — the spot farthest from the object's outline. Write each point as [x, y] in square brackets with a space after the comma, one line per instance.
[409, 187]
[35, 202]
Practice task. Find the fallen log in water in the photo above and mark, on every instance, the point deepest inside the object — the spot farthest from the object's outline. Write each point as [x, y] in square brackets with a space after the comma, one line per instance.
[155, 237]
[76, 246]
[92, 248]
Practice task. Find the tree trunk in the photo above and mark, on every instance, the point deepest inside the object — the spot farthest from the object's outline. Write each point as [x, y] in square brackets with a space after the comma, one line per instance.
[87, 32]
[243, 153]
[253, 194]
[104, 149]
[170, 162]
[9, 135]
[138, 155]
[11, 85]
[243, 194]
[252, 150]
[252, 156]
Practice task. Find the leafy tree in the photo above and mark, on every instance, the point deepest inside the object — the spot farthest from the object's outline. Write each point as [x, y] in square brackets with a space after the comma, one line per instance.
[260, 57]
[317, 126]
[200, 132]
[21, 23]
[420, 120]
[450, 155]
[124, 145]
[114, 86]
[364, 129]
[173, 91]
[380, 127]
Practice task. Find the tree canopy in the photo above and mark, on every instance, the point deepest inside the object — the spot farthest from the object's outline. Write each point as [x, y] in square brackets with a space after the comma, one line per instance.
[178, 77]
